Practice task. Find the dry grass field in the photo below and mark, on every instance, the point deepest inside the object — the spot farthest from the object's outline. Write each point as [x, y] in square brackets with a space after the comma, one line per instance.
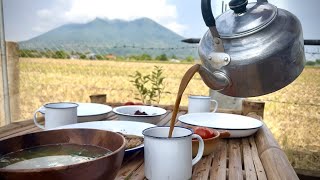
[292, 114]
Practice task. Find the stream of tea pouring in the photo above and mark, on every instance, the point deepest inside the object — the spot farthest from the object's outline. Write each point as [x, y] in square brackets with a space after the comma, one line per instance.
[216, 82]
[183, 84]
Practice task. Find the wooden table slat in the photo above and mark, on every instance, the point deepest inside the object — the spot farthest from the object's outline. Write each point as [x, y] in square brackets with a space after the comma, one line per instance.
[128, 168]
[138, 174]
[31, 130]
[179, 114]
[201, 170]
[249, 168]
[261, 174]
[235, 164]
[165, 118]
[219, 163]
[16, 127]
[111, 116]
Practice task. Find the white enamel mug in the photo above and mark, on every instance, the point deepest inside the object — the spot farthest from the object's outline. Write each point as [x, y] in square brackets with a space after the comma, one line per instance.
[169, 158]
[58, 114]
[197, 104]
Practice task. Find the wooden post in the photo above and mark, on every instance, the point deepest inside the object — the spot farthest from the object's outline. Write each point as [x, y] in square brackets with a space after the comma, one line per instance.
[98, 98]
[13, 80]
[250, 106]
[226, 102]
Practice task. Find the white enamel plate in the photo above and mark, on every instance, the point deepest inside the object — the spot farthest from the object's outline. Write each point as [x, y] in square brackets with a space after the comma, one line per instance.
[89, 111]
[237, 125]
[124, 127]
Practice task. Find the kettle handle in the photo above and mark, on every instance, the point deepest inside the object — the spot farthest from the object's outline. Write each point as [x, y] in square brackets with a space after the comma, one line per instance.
[207, 13]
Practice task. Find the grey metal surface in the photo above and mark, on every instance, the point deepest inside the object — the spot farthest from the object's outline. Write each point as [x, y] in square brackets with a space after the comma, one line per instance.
[215, 80]
[5, 82]
[257, 17]
[262, 62]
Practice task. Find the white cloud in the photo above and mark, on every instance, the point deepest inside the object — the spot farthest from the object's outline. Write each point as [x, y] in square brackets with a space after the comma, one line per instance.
[81, 11]
[178, 28]
[38, 29]
[44, 13]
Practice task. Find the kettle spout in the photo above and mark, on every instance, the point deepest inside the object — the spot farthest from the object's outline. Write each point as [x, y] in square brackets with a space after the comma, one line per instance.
[215, 80]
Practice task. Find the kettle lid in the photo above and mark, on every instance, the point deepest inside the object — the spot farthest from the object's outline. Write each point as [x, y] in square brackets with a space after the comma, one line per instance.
[256, 17]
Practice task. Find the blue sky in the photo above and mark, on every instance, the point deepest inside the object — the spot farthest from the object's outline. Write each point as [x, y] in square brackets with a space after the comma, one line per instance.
[25, 19]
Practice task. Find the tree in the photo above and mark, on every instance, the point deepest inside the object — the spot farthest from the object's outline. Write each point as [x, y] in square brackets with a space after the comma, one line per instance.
[29, 53]
[189, 59]
[133, 57]
[310, 63]
[162, 57]
[82, 56]
[145, 57]
[61, 55]
[99, 57]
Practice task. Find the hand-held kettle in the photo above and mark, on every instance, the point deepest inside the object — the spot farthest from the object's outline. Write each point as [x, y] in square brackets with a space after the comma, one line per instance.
[251, 50]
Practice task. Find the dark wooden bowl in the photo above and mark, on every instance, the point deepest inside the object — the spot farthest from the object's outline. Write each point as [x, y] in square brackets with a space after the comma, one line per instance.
[105, 167]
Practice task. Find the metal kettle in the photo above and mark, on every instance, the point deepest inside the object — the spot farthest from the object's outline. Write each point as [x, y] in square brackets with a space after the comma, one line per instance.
[250, 50]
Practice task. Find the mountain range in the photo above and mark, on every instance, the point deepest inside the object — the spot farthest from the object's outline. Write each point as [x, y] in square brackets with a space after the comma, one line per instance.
[103, 36]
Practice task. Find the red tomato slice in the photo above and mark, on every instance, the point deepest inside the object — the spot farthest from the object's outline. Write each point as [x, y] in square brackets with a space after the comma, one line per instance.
[129, 103]
[204, 132]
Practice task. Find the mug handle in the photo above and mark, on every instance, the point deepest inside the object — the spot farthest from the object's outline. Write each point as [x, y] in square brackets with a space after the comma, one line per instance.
[200, 149]
[35, 120]
[215, 105]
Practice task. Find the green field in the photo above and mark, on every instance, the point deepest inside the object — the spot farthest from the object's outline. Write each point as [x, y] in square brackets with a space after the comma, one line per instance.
[292, 113]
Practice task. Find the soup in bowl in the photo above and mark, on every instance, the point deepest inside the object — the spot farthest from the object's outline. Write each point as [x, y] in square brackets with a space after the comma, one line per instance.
[62, 154]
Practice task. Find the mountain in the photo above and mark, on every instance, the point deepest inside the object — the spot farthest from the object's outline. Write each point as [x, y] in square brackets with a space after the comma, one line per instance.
[119, 37]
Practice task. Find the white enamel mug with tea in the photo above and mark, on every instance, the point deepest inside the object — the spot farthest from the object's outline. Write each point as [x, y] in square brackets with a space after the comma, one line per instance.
[197, 104]
[58, 114]
[170, 158]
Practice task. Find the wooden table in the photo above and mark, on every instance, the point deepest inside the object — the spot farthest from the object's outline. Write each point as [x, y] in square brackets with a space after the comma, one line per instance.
[255, 157]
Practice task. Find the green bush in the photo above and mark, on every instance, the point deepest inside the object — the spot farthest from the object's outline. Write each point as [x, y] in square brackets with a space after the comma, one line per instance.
[82, 56]
[60, 55]
[189, 59]
[99, 57]
[145, 57]
[162, 57]
[150, 87]
[310, 63]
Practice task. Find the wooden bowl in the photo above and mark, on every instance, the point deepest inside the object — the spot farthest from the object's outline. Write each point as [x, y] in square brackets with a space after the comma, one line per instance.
[105, 167]
[210, 143]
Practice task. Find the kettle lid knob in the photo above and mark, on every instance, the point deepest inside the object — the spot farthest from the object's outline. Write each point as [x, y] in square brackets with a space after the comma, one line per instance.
[238, 6]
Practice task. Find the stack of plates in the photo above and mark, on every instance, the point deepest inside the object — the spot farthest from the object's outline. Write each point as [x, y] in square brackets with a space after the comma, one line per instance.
[89, 111]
